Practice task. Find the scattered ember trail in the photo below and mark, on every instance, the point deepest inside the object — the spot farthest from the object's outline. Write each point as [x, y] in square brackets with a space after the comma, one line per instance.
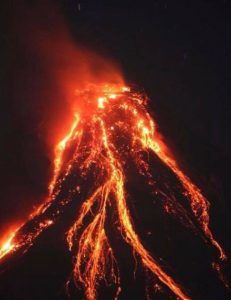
[94, 145]
[60, 148]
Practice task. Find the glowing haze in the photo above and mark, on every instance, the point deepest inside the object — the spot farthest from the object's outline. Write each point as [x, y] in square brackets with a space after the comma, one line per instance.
[103, 125]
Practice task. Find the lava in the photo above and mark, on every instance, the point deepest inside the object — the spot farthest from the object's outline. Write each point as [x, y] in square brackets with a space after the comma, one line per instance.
[7, 245]
[114, 127]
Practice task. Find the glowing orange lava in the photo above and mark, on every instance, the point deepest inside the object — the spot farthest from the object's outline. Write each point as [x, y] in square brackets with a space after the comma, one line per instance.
[7, 245]
[115, 113]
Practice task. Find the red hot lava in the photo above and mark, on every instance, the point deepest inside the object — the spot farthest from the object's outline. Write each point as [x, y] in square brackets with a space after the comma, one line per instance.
[111, 125]
[111, 112]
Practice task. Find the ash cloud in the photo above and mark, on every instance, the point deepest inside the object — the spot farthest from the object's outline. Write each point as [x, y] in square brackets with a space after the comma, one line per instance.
[42, 68]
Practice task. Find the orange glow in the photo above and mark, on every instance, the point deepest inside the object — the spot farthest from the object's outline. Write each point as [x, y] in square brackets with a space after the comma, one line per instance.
[59, 149]
[7, 246]
[114, 110]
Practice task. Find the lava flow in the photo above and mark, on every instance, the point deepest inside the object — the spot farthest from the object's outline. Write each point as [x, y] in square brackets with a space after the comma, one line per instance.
[115, 127]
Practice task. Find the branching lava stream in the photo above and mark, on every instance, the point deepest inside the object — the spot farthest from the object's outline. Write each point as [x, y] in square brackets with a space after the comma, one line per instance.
[111, 111]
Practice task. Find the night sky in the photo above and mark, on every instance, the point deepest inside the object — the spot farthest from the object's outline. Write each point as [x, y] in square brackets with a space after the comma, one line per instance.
[180, 55]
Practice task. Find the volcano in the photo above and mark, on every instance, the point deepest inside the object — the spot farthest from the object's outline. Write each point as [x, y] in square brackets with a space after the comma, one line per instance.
[112, 145]
[114, 212]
